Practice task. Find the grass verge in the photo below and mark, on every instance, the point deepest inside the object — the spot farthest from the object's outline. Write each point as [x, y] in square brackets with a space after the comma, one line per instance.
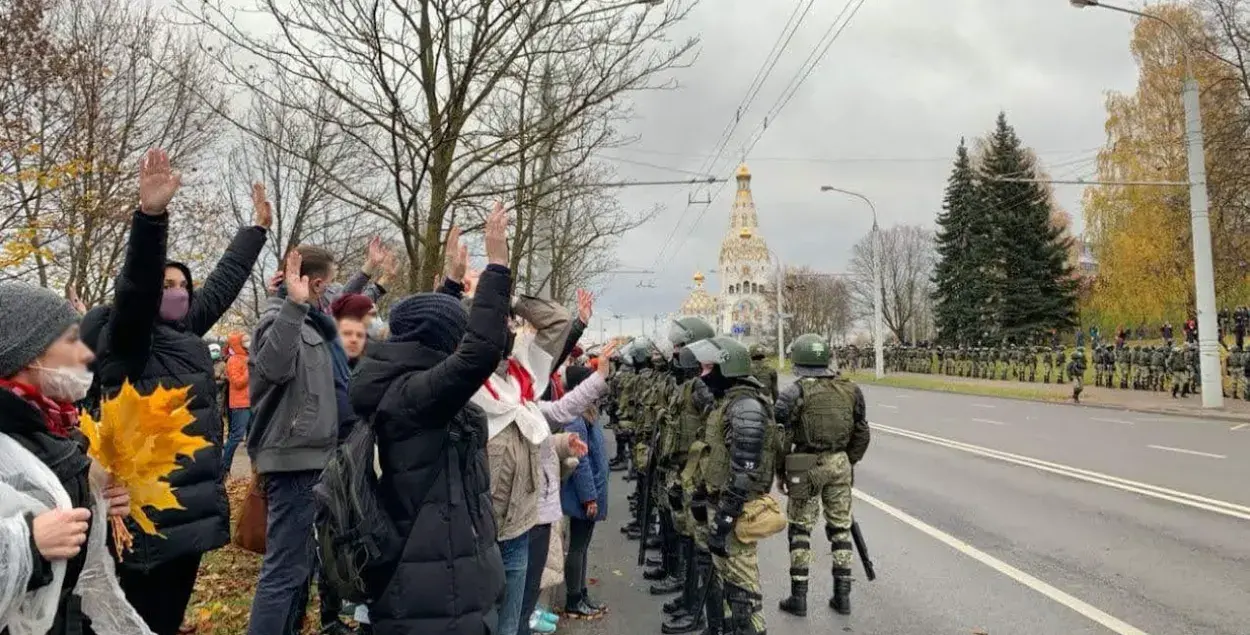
[961, 387]
[223, 594]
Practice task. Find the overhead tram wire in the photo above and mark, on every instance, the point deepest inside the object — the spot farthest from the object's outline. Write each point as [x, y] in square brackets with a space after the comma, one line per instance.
[813, 60]
[761, 77]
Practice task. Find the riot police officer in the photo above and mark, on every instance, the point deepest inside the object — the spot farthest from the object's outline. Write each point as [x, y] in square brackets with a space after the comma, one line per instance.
[767, 375]
[826, 434]
[736, 473]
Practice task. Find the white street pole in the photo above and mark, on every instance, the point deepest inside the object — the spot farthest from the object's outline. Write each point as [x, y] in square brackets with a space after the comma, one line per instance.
[878, 335]
[1199, 217]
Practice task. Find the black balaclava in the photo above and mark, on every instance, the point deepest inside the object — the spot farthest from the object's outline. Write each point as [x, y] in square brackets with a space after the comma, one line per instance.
[716, 382]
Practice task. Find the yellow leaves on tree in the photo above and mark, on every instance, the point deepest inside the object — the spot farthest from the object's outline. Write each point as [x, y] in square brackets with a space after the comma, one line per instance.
[1140, 235]
[138, 440]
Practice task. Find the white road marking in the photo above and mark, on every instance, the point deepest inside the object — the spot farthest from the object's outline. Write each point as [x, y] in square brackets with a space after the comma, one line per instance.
[1125, 421]
[983, 405]
[990, 421]
[1154, 491]
[886, 405]
[1239, 426]
[1184, 451]
[1085, 609]
[903, 396]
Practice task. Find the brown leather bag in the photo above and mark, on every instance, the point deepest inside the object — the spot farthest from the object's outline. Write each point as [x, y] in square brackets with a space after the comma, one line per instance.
[249, 531]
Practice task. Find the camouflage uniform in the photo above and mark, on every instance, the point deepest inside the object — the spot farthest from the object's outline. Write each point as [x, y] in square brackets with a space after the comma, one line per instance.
[736, 468]
[1076, 368]
[827, 433]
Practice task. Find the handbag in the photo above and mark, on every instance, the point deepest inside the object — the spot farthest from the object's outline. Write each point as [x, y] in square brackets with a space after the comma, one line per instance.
[249, 530]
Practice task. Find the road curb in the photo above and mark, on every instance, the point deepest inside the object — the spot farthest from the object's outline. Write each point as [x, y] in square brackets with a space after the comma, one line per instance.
[1210, 416]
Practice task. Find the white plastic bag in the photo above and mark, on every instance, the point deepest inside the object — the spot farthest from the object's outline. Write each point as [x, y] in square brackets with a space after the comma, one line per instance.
[27, 486]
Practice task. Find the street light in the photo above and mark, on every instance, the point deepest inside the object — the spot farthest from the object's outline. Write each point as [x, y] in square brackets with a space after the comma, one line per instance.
[1199, 216]
[878, 331]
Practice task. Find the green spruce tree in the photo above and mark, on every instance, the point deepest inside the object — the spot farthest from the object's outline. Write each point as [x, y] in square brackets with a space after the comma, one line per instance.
[965, 253]
[1034, 290]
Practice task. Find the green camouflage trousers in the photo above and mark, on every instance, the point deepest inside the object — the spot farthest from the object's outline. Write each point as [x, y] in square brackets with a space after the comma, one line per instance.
[827, 484]
[739, 574]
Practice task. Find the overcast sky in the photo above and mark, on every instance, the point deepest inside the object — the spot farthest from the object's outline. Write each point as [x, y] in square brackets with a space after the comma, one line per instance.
[882, 115]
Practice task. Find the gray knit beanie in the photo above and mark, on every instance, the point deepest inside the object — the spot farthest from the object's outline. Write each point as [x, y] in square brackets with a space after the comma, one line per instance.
[31, 319]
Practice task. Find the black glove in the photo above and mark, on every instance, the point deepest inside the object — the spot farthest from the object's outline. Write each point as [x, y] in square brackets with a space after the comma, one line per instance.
[716, 544]
[674, 496]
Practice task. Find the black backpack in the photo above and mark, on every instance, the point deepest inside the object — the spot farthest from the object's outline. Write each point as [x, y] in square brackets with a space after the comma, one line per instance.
[355, 535]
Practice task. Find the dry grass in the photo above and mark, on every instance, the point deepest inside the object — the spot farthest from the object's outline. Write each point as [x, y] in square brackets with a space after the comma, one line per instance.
[223, 594]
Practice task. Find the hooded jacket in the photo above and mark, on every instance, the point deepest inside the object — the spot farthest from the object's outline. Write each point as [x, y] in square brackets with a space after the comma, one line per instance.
[435, 481]
[236, 373]
[137, 345]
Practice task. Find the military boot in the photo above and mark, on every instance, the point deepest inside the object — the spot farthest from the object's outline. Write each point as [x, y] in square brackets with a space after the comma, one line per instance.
[796, 604]
[742, 611]
[674, 570]
[841, 600]
[666, 568]
[690, 619]
[684, 604]
[714, 605]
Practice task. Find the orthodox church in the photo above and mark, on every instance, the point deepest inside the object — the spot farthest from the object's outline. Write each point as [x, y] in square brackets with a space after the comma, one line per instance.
[744, 270]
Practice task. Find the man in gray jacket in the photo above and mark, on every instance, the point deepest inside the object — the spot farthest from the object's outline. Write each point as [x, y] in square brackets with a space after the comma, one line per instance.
[298, 385]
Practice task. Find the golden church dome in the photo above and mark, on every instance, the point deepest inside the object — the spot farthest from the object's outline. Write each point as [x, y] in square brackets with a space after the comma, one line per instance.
[743, 172]
[699, 303]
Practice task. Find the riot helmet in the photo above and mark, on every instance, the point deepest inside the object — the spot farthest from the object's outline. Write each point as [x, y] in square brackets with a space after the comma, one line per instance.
[688, 330]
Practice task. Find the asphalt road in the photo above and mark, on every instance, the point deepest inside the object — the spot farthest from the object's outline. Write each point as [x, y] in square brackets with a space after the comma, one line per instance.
[1083, 527]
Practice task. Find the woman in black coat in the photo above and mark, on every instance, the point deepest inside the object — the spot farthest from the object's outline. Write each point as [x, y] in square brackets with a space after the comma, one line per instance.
[414, 390]
[152, 336]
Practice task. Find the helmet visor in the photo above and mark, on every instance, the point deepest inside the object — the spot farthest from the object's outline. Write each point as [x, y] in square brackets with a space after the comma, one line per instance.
[677, 334]
[707, 352]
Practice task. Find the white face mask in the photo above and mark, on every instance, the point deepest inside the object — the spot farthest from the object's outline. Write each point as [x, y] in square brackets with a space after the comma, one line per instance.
[376, 327]
[63, 384]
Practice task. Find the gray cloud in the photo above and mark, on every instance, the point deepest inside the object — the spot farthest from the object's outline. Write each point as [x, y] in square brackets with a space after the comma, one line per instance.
[886, 107]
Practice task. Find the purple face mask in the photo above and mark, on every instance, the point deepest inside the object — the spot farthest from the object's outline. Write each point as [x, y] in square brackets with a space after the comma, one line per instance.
[174, 304]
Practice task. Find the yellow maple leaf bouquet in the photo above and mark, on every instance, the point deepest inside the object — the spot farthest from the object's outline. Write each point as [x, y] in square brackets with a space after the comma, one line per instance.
[138, 440]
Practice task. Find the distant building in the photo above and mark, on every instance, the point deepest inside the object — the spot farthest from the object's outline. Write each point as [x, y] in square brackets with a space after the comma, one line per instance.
[745, 271]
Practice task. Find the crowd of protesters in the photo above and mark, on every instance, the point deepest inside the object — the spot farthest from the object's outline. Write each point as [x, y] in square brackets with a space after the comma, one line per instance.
[484, 423]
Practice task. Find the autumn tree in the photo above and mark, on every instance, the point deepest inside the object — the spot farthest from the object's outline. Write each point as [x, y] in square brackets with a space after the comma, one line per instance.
[907, 258]
[112, 79]
[1034, 289]
[428, 93]
[1140, 235]
[814, 302]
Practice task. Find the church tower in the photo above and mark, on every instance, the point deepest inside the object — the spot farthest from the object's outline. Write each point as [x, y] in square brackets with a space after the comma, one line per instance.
[744, 267]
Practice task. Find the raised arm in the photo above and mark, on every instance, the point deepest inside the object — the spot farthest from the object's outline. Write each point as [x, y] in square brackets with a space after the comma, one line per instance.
[551, 322]
[277, 338]
[137, 299]
[574, 402]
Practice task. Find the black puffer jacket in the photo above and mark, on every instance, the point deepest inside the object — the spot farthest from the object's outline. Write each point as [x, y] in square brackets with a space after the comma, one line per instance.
[435, 479]
[136, 344]
[68, 460]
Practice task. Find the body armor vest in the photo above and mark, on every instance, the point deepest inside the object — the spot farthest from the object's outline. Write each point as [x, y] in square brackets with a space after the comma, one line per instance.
[715, 465]
[826, 418]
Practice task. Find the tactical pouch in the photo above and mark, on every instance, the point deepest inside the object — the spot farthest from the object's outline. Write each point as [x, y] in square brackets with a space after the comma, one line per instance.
[798, 466]
[690, 474]
[761, 518]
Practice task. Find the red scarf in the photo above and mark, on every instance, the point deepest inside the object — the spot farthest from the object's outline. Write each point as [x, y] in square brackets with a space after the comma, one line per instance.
[60, 418]
[557, 387]
[523, 379]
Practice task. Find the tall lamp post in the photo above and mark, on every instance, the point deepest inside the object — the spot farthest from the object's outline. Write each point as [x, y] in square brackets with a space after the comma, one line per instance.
[1199, 216]
[878, 331]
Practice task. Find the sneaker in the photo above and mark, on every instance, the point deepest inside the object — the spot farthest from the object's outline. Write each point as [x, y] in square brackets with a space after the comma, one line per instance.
[541, 626]
[547, 616]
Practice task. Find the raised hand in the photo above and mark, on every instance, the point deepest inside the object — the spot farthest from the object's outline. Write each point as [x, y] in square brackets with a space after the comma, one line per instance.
[585, 305]
[157, 182]
[605, 356]
[72, 296]
[297, 286]
[497, 236]
[375, 254]
[390, 268]
[261, 206]
[60, 534]
[457, 256]
[276, 279]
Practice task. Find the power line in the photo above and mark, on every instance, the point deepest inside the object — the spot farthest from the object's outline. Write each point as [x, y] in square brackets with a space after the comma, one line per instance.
[813, 60]
[761, 76]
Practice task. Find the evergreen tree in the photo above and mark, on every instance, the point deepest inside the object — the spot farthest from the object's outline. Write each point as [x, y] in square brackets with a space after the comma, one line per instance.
[965, 253]
[1033, 289]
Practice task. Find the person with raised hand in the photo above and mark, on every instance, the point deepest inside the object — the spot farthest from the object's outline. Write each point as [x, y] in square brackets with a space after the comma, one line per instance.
[152, 335]
[298, 384]
[415, 391]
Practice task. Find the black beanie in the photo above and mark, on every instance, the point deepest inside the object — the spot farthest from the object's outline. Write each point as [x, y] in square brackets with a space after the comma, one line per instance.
[574, 375]
[432, 319]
